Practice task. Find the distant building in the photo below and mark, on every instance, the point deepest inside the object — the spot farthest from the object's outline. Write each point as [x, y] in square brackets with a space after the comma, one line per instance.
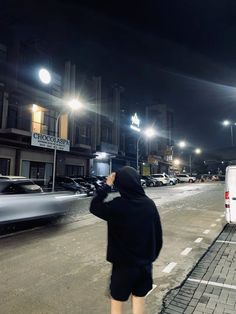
[159, 148]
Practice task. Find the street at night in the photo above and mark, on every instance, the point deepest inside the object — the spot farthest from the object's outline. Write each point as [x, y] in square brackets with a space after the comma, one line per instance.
[117, 157]
[61, 268]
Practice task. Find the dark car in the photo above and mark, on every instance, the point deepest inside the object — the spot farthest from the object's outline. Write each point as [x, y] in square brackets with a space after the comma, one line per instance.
[89, 186]
[95, 181]
[18, 186]
[150, 181]
[63, 183]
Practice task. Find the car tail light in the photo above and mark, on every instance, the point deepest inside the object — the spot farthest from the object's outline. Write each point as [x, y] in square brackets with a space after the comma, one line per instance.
[227, 203]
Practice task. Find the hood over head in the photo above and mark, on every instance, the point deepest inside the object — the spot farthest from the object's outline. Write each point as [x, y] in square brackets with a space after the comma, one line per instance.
[127, 181]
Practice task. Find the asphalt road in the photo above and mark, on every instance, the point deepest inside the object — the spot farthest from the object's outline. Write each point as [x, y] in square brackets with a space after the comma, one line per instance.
[61, 268]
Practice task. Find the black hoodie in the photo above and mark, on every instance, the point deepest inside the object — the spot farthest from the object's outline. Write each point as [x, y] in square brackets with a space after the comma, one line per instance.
[134, 227]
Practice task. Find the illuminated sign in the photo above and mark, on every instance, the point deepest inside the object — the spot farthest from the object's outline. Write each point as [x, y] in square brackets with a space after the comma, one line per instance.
[48, 141]
[135, 122]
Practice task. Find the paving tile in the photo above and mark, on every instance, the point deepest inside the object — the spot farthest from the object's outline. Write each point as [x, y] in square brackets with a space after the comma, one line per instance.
[217, 265]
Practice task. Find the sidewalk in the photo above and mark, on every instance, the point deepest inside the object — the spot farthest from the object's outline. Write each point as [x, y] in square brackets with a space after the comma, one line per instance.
[211, 285]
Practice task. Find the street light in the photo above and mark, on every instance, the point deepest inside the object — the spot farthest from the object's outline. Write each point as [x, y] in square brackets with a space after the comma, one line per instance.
[197, 151]
[150, 132]
[176, 162]
[228, 123]
[182, 144]
[74, 104]
[44, 76]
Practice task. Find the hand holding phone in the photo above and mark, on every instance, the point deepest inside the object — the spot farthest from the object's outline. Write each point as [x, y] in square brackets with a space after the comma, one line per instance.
[111, 178]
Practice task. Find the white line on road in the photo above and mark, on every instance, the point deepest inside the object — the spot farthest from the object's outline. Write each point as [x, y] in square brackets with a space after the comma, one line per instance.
[229, 242]
[198, 240]
[222, 216]
[218, 219]
[153, 287]
[186, 251]
[213, 225]
[206, 231]
[212, 283]
[169, 267]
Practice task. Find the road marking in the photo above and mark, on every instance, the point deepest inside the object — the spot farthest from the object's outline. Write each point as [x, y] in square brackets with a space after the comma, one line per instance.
[229, 242]
[213, 225]
[212, 283]
[198, 240]
[169, 267]
[186, 251]
[222, 216]
[206, 231]
[153, 287]
[218, 219]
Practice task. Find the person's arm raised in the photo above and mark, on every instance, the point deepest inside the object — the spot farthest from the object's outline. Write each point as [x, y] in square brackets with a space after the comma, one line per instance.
[98, 207]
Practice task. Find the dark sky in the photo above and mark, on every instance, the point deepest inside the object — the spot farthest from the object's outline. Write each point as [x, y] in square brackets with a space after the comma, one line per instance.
[182, 53]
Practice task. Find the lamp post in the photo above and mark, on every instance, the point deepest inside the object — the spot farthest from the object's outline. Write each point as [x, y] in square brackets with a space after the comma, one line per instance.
[150, 132]
[74, 104]
[196, 151]
[228, 123]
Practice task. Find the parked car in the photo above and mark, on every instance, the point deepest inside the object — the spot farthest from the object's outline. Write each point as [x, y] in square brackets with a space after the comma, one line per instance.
[150, 181]
[143, 182]
[18, 185]
[95, 181]
[186, 178]
[89, 186]
[66, 183]
[173, 180]
[162, 178]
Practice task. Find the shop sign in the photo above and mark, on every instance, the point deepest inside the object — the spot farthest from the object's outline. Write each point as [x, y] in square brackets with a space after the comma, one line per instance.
[135, 122]
[48, 141]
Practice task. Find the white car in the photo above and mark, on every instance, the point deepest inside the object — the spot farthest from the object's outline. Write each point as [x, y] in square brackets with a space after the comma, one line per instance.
[162, 178]
[173, 180]
[185, 178]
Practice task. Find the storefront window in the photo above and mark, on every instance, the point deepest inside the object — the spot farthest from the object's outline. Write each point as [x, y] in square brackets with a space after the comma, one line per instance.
[83, 135]
[4, 166]
[106, 134]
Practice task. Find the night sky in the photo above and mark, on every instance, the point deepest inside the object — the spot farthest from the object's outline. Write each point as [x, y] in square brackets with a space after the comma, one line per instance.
[181, 53]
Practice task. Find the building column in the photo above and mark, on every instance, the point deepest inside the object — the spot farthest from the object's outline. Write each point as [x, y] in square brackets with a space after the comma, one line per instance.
[4, 111]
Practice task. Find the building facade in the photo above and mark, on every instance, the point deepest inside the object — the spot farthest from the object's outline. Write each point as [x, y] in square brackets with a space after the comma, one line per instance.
[159, 149]
[28, 107]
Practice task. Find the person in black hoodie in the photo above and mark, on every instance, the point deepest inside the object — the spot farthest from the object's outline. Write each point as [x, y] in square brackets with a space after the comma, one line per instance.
[134, 238]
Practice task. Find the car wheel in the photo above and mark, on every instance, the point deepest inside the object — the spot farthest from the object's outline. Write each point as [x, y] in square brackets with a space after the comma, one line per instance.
[151, 184]
[171, 183]
[161, 183]
[190, 181]
[178, 180]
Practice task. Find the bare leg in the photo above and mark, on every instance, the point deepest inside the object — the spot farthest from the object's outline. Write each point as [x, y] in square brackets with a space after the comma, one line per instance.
[138, 304]
[116, 307]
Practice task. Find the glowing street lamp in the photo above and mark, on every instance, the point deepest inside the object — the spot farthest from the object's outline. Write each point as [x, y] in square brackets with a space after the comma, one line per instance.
[149, 132]
[176, 162]
[74, 105]
[182, 144]
[197, 151]
[45, 76]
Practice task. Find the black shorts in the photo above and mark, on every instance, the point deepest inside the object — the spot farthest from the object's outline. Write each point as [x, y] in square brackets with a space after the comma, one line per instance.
[126, 280]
